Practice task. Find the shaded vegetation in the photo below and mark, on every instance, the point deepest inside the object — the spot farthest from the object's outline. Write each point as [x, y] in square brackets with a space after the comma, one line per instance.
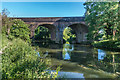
[42, 37]
[108, 44]
[41, 33]
[103, 21]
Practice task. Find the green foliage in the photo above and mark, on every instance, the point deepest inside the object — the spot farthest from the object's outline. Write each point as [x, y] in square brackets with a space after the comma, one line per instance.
[20, 61]
[68, 36]
[102, 16]
[6, 22]
[4, 41]
[20, 30]
[14, 28]
[19, 58]
[42, 37]
[41, 33]
[108, 44]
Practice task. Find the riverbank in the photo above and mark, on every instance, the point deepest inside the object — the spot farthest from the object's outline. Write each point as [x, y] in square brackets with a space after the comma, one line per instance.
[85, 71]
[22, 58]
[84, 59]
[107, 45]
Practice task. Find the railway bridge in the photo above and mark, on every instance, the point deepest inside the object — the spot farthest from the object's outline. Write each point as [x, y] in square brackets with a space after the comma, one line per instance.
[56, 26]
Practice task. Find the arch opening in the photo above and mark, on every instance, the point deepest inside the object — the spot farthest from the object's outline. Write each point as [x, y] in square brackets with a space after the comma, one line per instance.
[81, 31]
[46, 31]
[44, 35]
[68, 35]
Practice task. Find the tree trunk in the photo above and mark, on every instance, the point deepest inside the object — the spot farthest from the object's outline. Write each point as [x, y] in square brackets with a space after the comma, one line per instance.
[114, 31]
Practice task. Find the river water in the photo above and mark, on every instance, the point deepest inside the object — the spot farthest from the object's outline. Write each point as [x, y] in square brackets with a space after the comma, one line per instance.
[83, 61]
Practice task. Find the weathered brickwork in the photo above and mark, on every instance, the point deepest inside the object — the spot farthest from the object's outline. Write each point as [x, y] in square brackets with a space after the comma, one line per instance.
[56, 25]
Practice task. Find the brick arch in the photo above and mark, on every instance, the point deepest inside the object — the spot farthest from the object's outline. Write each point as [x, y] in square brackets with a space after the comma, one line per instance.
[81, 23]
[33, 26]
[81, 31]
[51, 28]
[63, 25]
[59, 22]
[84, 27]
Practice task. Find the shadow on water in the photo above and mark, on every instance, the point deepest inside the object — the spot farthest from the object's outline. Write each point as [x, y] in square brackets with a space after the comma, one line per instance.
[93, 63]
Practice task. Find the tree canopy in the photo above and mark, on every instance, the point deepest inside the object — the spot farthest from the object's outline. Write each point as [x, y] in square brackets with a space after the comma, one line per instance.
[20, 29]
[14, 27]
[6, 22]
[103, 20]
[41, 32]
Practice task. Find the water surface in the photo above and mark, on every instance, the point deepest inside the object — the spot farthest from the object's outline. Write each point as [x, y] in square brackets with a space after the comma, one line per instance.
[84, 60]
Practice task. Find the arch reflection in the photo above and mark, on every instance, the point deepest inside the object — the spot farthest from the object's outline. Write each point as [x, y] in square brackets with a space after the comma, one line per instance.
[67, 49]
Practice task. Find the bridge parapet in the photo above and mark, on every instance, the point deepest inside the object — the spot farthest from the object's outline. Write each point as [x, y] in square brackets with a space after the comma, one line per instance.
[60, 24]
[51, 19]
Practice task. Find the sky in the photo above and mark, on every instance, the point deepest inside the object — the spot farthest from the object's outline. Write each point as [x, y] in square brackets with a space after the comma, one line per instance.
[44, 9]
[43, 0]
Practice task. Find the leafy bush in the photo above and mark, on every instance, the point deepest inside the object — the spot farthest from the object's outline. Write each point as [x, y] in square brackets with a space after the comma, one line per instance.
[19, 60]
[11, 37]
[41, 33]
[4, 41]
[20, 29]
[108, 44]
[103, 20]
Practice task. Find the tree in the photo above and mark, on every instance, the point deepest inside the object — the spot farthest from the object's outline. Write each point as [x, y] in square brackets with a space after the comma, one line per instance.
[68, 36]
[41, 33]
[20, 29]
[6, 22]
[102, 16]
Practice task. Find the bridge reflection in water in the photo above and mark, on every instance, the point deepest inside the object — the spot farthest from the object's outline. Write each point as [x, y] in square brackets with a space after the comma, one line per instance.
[67, 51]
[92, 63]
[101, 54]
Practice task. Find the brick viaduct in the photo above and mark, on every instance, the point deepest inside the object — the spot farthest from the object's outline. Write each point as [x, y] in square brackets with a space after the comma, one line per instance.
[56, 25]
